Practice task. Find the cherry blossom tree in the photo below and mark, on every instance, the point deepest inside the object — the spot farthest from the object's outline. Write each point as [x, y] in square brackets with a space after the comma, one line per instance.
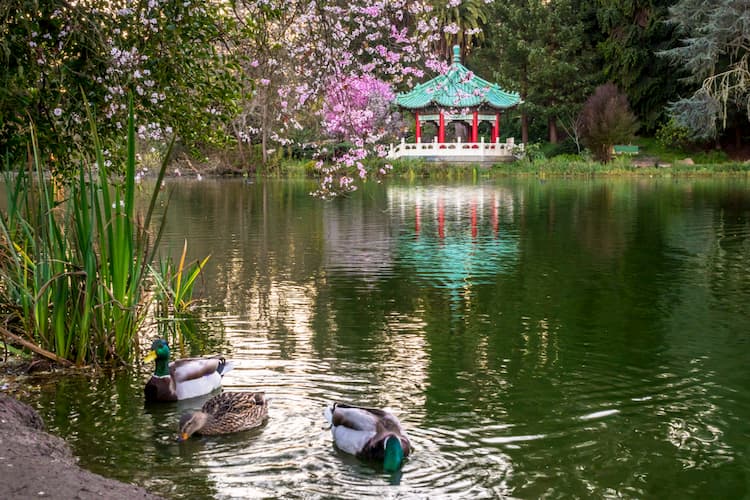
[313, 50]
[253, 71]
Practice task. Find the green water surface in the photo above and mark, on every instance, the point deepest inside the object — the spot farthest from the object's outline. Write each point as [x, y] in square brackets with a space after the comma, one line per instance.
[558, 339]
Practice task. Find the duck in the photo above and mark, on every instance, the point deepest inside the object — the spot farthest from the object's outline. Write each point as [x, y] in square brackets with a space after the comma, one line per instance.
[225, 413]
[369, 434]
[183, 378]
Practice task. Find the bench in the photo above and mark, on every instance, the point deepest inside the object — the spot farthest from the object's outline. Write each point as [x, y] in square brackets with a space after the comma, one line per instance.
[625, 149]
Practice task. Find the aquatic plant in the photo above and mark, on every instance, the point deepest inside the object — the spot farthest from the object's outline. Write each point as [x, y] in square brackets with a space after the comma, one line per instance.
[75, 259]
[174, 284]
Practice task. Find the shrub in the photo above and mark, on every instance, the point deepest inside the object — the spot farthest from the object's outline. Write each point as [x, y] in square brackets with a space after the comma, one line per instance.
[672, 134]
[566, 147]
[607, 120]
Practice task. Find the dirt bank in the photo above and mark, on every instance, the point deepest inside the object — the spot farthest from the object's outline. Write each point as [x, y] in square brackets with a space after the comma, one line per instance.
[35, 464]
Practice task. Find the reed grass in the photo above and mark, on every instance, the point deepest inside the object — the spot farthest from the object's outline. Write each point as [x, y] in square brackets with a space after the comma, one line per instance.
[175, 284]
[76, 259]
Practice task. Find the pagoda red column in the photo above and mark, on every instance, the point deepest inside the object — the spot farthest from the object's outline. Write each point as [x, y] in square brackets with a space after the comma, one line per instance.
[474, 230]
[496, 128]
[417, 127]
[475, 127]
[441, 128]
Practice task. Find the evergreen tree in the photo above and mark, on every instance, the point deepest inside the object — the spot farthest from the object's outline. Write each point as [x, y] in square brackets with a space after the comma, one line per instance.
[540, 49]
[563, 71]
[513, 33]
[633, 31]
[714, 53]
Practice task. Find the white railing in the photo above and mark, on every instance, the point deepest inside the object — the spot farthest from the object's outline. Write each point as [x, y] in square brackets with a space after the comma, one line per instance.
[457, 151]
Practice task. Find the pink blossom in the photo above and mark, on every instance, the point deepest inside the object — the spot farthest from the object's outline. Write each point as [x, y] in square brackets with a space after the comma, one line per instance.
[356, 106]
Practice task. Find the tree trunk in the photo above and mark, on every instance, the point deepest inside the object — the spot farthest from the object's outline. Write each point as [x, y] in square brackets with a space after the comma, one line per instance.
[552, 127]
[240, 147]
[524, 116]
[264, 133]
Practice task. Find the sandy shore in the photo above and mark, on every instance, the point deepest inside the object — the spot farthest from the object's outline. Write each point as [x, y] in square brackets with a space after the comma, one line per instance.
[36, 464]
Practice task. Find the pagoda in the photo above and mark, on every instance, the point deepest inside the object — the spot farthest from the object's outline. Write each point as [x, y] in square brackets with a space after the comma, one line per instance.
[464, 100]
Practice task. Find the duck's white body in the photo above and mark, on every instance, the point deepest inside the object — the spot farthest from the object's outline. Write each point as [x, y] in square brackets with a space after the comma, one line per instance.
[197, 377]
[360, 429]
[364, 431]
[184, 378]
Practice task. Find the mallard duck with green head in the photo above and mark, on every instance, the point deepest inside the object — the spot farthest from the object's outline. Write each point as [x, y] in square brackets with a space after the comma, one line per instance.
[226, 413]
[183, 378]
[369, 433]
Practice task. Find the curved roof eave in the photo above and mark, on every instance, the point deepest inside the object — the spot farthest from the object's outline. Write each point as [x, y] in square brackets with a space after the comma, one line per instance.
[458, 88]
[419, 101]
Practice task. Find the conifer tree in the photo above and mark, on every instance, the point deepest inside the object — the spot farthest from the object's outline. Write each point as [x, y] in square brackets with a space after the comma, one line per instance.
[633, 32]
[714, 53]
[540, 49]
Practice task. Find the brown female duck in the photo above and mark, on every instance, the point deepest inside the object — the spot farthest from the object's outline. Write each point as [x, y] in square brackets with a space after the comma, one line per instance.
[226, 413]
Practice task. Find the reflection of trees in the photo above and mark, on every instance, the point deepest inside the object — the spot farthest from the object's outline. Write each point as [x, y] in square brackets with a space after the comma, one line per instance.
[256, 235]
[587, 303]
[712, 237]
[264, 240]
[532, 310]
[603, 302]
[443, 240]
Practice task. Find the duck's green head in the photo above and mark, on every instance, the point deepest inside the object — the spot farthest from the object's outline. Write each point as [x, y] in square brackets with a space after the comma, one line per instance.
[159, 350]
[160, 353]
[394, 454]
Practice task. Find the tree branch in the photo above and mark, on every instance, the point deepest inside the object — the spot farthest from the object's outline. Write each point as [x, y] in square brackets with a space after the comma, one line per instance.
[42, 352]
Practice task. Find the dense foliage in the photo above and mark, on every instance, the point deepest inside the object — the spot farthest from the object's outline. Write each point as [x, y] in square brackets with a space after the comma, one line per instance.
[259, 75]
[633, 32]
[169, 54]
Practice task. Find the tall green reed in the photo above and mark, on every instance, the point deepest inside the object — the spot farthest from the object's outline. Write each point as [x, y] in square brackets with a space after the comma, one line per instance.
[75, 269]
[175, 284]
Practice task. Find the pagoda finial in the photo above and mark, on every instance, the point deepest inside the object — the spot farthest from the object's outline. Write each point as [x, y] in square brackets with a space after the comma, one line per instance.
[456, 54]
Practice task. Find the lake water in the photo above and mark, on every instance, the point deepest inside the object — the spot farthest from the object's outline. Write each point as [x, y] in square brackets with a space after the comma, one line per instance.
[537, 339]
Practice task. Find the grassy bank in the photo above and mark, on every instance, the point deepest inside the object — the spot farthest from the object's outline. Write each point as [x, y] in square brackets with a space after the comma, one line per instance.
[566, 166]
[654, 158]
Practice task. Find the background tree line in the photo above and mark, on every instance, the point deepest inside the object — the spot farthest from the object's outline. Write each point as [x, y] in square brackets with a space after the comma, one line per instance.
[257, 75]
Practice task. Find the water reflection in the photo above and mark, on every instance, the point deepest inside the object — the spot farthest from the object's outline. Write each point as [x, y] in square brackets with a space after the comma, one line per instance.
[537, 339]
[456, 242]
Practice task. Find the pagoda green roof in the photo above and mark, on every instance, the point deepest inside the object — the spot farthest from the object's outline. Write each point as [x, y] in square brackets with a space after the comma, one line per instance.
[457, 88]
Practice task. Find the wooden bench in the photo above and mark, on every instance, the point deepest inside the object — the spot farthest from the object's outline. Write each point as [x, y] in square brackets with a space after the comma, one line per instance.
[625, 149]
